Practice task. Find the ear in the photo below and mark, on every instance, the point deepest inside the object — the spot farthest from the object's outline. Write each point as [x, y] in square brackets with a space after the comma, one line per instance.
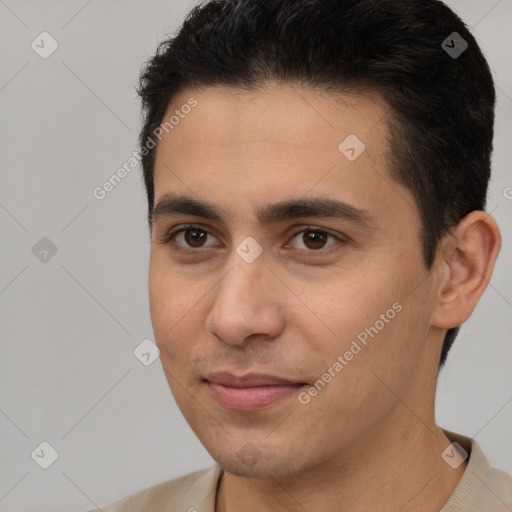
[466, 259]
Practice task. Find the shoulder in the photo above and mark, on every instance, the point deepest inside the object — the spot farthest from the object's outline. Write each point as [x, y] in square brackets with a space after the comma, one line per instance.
[482, 488]
[194, 492]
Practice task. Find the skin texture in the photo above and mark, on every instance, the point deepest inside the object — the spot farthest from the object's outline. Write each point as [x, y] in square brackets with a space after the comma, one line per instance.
[368, 440]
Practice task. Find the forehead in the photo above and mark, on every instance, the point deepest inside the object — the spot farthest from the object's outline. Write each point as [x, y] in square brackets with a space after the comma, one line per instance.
[237, 146]
[278, 114]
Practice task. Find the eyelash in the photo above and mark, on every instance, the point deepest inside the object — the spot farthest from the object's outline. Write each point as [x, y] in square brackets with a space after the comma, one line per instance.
[168, 239]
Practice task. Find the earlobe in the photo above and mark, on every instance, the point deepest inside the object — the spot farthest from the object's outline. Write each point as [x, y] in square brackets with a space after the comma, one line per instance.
[467, 257]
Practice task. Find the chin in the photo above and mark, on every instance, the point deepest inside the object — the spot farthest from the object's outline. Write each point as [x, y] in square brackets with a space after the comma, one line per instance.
[259, 470]
[249, 464]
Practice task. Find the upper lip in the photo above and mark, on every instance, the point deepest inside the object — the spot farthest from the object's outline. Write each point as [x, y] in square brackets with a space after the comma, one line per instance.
[248, 380]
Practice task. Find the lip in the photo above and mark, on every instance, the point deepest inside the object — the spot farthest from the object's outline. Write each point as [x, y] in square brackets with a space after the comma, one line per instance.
[248, 380]
[249, 392]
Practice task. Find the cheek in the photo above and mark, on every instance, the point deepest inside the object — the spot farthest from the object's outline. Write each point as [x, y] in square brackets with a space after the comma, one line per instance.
[167, 302]
[171, 327]
[160, 303]
[349, 303]
[176, 311]
[168, 299]
[373, 308]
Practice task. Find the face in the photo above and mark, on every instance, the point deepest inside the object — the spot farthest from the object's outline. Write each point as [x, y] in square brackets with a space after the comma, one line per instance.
[289, 335]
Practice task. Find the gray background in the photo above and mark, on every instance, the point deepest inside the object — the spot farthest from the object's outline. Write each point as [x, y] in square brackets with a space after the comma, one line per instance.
[69, 325]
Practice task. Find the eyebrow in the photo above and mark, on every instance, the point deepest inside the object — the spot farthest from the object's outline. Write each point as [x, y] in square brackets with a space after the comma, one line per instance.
[173, 205]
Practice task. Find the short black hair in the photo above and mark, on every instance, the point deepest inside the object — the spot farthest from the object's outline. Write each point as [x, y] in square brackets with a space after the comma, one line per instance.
[441, 94]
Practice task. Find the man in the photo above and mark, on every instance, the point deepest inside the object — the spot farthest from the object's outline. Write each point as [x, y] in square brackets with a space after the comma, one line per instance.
[316, 173]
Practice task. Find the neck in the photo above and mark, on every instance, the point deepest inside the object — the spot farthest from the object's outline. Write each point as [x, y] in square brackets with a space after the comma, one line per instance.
[393, 469]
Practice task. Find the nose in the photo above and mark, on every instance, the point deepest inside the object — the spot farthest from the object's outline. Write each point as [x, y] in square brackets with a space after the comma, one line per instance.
[247, 303]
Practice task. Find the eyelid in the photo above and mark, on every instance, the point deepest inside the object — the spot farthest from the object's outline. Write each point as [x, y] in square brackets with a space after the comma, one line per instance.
[168, 237]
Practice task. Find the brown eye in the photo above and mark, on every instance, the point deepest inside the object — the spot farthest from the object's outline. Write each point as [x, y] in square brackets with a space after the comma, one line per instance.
[314, 239]
[189, 237]
[194, 237]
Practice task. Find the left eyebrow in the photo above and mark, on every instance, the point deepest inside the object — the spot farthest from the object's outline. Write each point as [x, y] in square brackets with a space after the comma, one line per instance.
[172, 205]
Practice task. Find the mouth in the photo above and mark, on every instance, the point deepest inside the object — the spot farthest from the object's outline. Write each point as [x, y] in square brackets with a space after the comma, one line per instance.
[250, 392]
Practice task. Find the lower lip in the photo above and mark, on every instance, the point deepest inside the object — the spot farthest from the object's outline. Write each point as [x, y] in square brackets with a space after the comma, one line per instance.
[250, 399]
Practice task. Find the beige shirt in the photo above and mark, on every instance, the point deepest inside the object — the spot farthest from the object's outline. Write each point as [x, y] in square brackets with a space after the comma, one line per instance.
[481, 489]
